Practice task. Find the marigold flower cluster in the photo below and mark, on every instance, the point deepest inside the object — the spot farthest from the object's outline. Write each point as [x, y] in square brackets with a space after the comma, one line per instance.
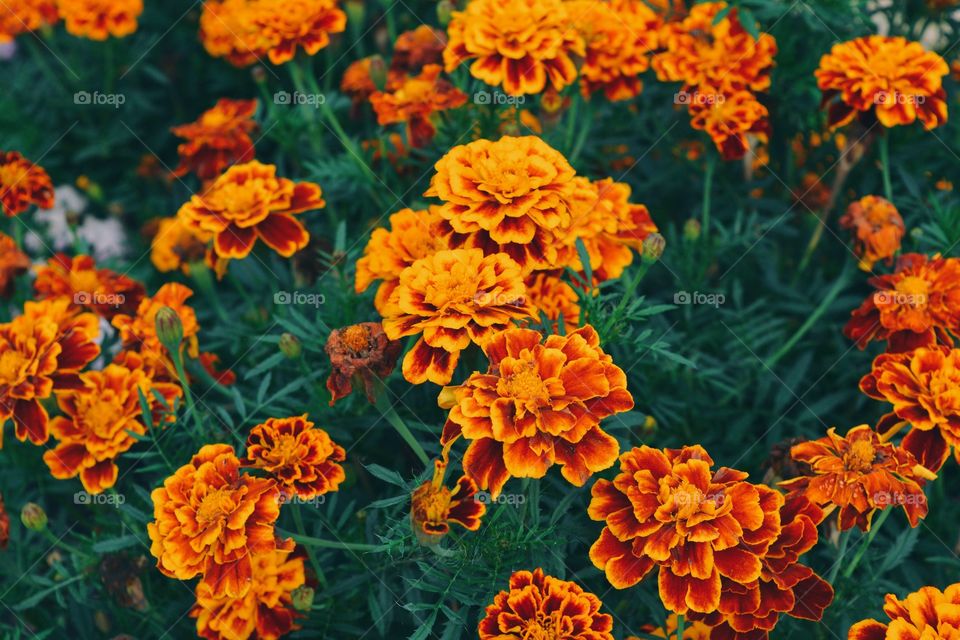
[24, 16]
[927, 613]
[92, 19]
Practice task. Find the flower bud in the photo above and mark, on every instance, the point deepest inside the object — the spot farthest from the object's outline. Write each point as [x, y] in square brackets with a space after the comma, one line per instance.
[444, 12]
[169, 329]
[653, 246]
[33, 517]
[355, 10]
[290, 345]
[302, 598]
[378, 72]
[691, 229]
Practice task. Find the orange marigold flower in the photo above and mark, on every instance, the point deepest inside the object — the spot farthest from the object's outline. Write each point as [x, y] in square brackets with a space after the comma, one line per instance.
[13, 262]
[860, 474]
[519, 44]
[554, 298]
[927, 613]
[265, 612]
[693, 630]
[619, 36]
[248, 202]
[540, 606]
[670, 509]
[412, 234]
[100, 19]
[42, 351]
[219, 138]
[512, 193]
[176, 245]
[360, 352]
[102, 291]
[417, 48]
[877, 229]
[414, 100]
[732, 119]
[302, 458]
[924, 388]
[22, 184]
[917, 305]
[98, 422]
[22, 16]
[539, 404]
[451, 299]
[210, 519]
[701, 50]
[433, 506]
[139, 331]
[891, 78]
[357, 81]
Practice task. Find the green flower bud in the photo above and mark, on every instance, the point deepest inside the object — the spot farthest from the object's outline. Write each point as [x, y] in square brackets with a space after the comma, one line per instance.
[169, 329]
[302, 598]
[33, 517]
[653, 246]
[290, 345]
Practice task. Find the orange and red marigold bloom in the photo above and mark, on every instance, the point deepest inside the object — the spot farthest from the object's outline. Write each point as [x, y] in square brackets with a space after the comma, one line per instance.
[100, 19]
[22, 184]
[22, 16]
[414, 100]
[877, 229]
[42, 351]
[540, 403]
[361, 352]
[917, 305]
[212, 520]
[249, 202]
[433, 506]
[139, 330]
[670, 509]
[924, 388]
[218, 139]
[13, 262]
[541, 606]
[452, 299]
[693, 630]
[265, 612]
[927, 613]
[860, 474]
[891, 78]
[300, 457]
[734, 120]
[101, 291]
[520, 45]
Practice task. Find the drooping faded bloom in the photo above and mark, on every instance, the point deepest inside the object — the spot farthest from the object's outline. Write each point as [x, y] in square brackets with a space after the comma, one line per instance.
[926, 613]
[300, 457]
[521, 45]
[433, 506]
[413, 100]
[541, 606]
[100, 19]
[540, 403]
[212, 520]
[250, 202]
[876, 227]
[101, 291]
[860, 474]
[13, 262]
[890, 78]
[22, 184]
[361, 352]
[23, 16]
[451, 299]
[220, 137]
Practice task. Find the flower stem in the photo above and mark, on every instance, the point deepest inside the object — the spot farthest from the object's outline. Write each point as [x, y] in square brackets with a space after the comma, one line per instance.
[681, 623]
[866, 543]
[885, 165]
[177, 358]
[390, 414]
[707, 188]
[298, 521]
[320, 543]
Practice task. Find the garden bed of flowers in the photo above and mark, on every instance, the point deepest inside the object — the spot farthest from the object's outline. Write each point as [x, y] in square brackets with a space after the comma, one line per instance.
[496, 319]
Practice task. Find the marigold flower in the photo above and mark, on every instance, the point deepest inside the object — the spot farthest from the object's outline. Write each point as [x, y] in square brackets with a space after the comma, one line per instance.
[670, 509]
[139, 331]
[102, 291]
[539, 404]
[877, 229]
[211, 364]
[512, 193]
[519, 44]
[359, 352]
[13, 262]
[302, 458]
[701, 50]
[917, 305]
[541, 606]
[554, 298]
[42, 351]
[177, 245]
[357, 81]
[414, 100]
[923, 386]
[433, 506]
[451, 299]
[210, 519]
[860, 474]
[249, 202]
[100, 19]
[219, 138]
[619, 37]
[265, 612]
[22, 16]
[927, 613]
[411, 235]
[693, 630]
[417, 48]
[97, 424]
[731, 119]
[889, 77]
[22, 184]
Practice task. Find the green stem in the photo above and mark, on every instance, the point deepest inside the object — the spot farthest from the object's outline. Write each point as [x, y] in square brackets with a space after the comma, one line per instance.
[41, 61]
[298, 521]
[866, 543]
[177, 358]
[320, 543]
[844, 541]
[707, 188]
[388, 412]
[681, 623]
[58, 542]
[885, 165]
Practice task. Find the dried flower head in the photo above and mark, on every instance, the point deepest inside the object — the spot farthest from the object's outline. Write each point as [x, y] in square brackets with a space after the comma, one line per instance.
[876, 227]
[359, 352]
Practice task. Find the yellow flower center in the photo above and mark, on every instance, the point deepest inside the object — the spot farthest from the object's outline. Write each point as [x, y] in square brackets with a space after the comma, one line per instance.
[102, 416]
[914, 286]
[526, 385]
[435, 504]
[13, 368]
[286, 449]
[214, 506]
[545, 627]
[14, 174]
[861, 455]
[357, 337]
